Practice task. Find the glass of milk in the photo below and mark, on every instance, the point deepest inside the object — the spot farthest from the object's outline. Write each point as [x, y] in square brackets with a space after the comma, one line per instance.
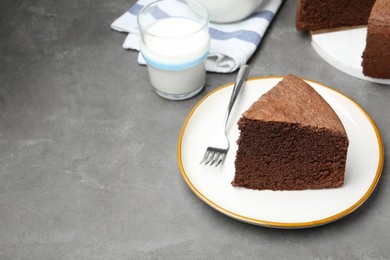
[174, 43]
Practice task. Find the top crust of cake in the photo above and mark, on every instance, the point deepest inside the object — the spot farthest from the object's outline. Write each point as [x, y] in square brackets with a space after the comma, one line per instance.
[293, 100]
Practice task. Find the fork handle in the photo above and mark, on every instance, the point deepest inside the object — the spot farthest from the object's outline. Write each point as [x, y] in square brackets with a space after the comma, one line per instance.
[240, 80]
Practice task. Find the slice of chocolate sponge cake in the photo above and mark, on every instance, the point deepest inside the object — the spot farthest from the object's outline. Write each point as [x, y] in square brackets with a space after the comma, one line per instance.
[290, 139]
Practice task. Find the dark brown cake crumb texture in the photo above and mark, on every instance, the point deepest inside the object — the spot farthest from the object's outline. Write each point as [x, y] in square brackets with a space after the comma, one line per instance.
[283, 156]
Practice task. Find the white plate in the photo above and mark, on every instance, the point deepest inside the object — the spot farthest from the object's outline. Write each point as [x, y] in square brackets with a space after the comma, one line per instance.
[343, 50]
[284, 209]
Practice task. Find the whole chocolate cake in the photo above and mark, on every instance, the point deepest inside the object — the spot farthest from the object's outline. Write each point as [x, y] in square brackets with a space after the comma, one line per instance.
[327, 14]
[290, 139]
[376, 56]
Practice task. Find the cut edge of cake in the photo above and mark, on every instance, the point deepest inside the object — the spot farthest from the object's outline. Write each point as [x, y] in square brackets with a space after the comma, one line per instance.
[376, 54]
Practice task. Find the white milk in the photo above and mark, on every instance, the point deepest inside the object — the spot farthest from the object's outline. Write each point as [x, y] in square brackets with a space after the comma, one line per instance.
[175, 50]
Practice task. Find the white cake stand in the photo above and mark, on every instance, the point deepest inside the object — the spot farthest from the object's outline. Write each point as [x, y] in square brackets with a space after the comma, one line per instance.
[343, 49]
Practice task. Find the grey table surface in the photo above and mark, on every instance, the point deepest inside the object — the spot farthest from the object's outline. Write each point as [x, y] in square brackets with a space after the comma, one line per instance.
[88, 153]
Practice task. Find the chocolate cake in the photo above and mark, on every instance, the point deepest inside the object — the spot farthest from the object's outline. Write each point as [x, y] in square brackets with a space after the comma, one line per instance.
[376, 56]
[290, 139]
[327, 14]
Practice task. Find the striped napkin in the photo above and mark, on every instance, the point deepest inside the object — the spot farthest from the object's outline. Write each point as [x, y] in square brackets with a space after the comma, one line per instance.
[231, 46]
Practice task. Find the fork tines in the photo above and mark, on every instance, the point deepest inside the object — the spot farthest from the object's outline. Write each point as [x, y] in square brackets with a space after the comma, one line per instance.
[213, 156]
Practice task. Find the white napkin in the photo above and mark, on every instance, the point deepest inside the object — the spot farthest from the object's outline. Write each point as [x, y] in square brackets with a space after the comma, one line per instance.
[231, 46]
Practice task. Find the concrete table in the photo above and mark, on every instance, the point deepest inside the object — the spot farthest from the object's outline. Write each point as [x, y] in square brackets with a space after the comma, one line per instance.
[88, 153]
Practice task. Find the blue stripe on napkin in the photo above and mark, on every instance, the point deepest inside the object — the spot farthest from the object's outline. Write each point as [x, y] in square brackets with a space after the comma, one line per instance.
[244, 35]
[155, 11]
[268, 15]
[135, 9]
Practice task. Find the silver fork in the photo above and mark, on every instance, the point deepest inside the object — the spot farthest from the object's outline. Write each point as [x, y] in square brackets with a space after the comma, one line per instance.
[219, 145]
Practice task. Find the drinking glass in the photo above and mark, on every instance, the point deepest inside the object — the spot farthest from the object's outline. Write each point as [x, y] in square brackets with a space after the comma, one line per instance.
[174, 43]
